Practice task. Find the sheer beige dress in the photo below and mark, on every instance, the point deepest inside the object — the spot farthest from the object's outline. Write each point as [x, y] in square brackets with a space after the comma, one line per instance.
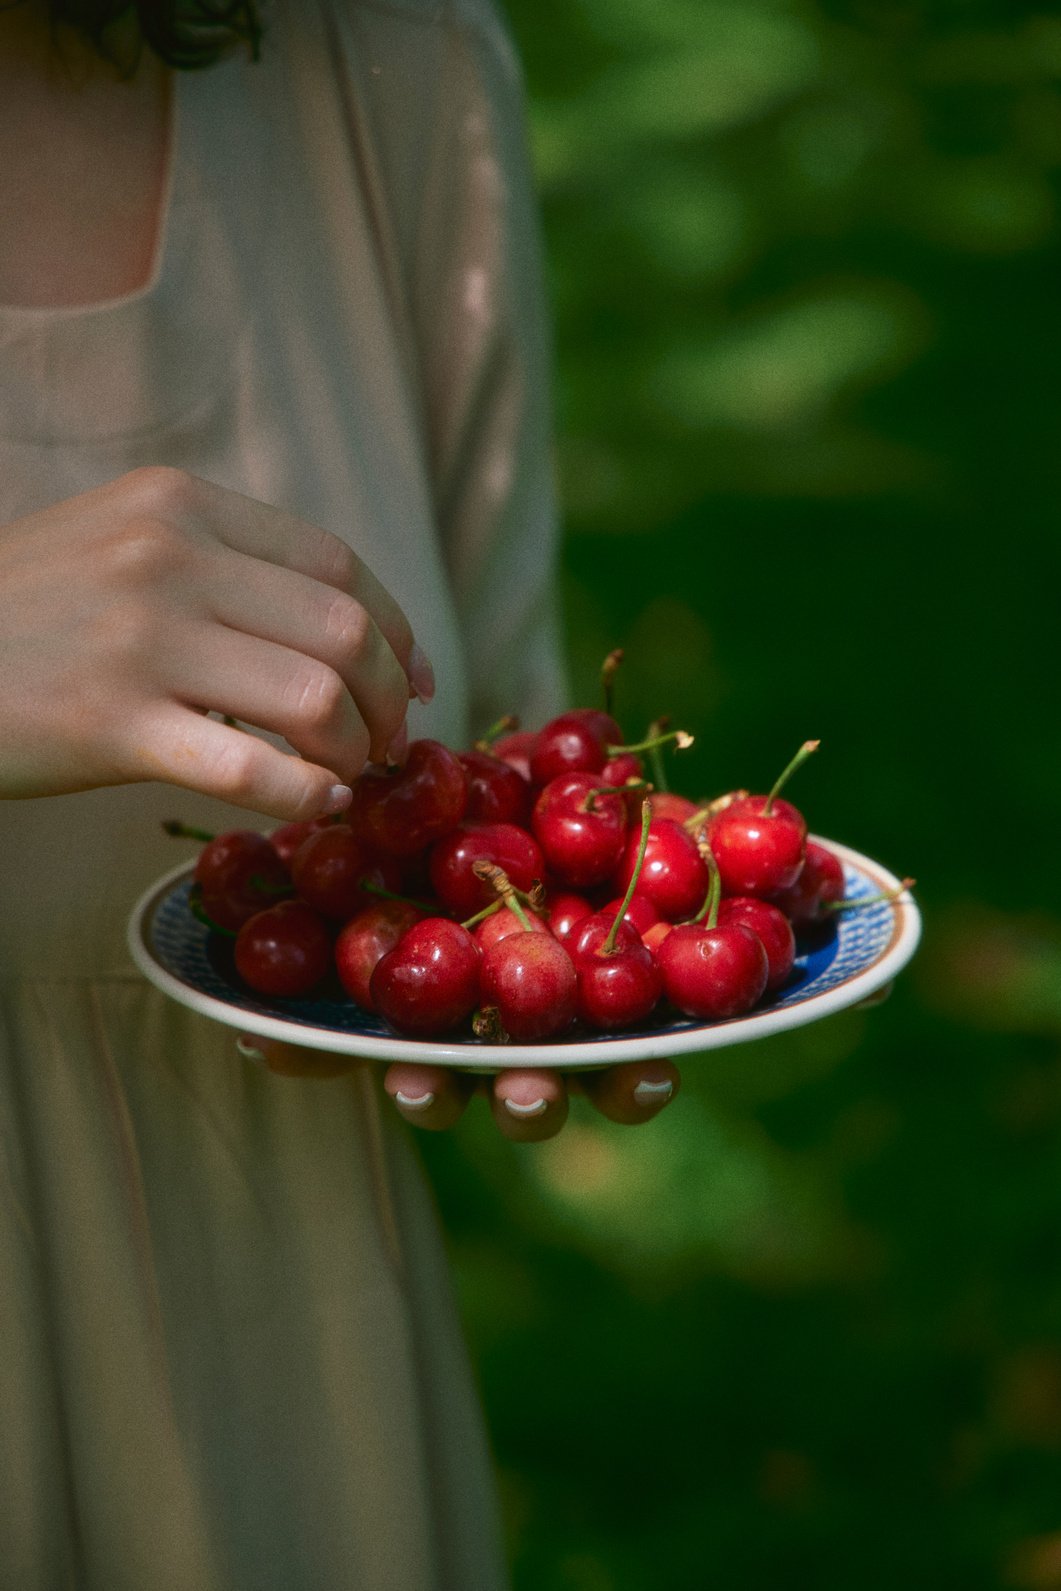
[229, 1359]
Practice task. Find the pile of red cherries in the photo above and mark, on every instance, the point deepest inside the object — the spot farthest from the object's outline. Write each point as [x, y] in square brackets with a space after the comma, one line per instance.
[512, 891]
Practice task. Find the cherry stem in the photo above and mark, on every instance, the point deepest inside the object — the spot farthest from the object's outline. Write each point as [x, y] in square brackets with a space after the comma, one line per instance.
[588, 803]
[646, 818]
[655, 756]
[487, 911]
[431, 907]
[682, 739]
[504, 726]
[198, 911]
[801, 756]
[609, 668]
[499, 880]
[184, 831]
[889, 895]
[708, 913]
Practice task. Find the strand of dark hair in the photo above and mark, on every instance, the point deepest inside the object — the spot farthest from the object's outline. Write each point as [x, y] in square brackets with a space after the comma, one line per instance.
[184, 33]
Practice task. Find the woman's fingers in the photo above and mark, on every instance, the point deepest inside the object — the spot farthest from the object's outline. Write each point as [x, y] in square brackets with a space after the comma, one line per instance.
[432, 1097]
[632, 1093]
[293, 1060]
[181, 747]
[529, 1106]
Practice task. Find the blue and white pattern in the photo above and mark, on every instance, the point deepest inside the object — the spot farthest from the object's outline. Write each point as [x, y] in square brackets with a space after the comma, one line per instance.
[192, 964]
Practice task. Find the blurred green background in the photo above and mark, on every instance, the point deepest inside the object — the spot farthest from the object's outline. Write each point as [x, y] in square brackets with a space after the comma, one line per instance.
[805, 1330]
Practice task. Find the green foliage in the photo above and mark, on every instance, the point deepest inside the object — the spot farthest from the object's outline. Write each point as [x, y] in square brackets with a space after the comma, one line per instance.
[805, 1331]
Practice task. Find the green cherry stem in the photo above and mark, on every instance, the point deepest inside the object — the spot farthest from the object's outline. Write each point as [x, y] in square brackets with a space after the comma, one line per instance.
[889, 895]
[504, 726]
[608, 946]
[655, 756]
[184, 831]
[499, 880]
[681, 738]
[431, 907]
[708, 913]
[806, 750]
[198, 911]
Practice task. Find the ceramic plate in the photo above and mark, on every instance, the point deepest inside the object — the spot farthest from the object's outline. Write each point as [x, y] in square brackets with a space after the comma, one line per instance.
[842, 966]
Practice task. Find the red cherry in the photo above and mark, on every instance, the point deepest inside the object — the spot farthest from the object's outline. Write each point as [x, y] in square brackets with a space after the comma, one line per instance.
[429, 983]
[580, 829]
[820, 882]
[665, 804]
[453, 858]
[365, 940]
[331, 868]
[530, 978]
[771, 926]
[400, 811]
[674, 877]
[617, 988]
[568, 744]
[641, 912]
[566, 911]
[286, 840]
[516, 749]
[759, 841]
[284, 950]
[239, 874]
[497, 792]
[500, 924]
[713, 973]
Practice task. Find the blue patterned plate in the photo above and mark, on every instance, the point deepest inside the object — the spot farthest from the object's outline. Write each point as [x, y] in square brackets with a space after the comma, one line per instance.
[847, 964]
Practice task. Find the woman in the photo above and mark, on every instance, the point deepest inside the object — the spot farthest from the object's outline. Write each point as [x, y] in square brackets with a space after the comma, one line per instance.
[272, 434]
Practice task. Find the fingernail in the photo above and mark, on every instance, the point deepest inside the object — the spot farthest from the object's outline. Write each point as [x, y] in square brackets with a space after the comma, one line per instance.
[653, 1093]
[414, 1101]
[399, 746]
[338, 799]
[249, 1051]
[421, 674]
[537, 1108]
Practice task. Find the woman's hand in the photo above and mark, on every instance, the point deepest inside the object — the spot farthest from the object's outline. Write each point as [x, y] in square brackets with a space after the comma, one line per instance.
[528, 1105]
[133, 610]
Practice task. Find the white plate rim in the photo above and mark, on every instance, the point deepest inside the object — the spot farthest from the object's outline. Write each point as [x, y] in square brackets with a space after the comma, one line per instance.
[573, 1056]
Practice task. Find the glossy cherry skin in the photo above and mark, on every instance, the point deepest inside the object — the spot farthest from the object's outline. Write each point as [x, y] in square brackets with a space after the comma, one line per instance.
[453, 858]
[365, 940]
[713, 973]
[771, 926]
[497, 792]
[821, 881]
[530, 978]
[758, 852]
[239, 874]
[429, 983]
[581, 834]
[285, 950]
[286, 840]
[331, 868]
[400, 811]
[616, 989]
[516, 749]
[566, 911]
[665, 804]
[674, 877]
[568, 744]
[501, 924]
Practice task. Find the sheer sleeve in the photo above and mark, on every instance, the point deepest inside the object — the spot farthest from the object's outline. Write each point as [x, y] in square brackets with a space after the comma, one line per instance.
[479, 312]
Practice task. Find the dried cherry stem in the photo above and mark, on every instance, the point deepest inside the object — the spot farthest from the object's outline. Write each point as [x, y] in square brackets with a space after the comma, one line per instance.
[889, 895]
[488, 1026]
[609, 668]
[807, 748]
[710, 809]
[608, 946]
[504, 726]
[184, 831]
[508, 895]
